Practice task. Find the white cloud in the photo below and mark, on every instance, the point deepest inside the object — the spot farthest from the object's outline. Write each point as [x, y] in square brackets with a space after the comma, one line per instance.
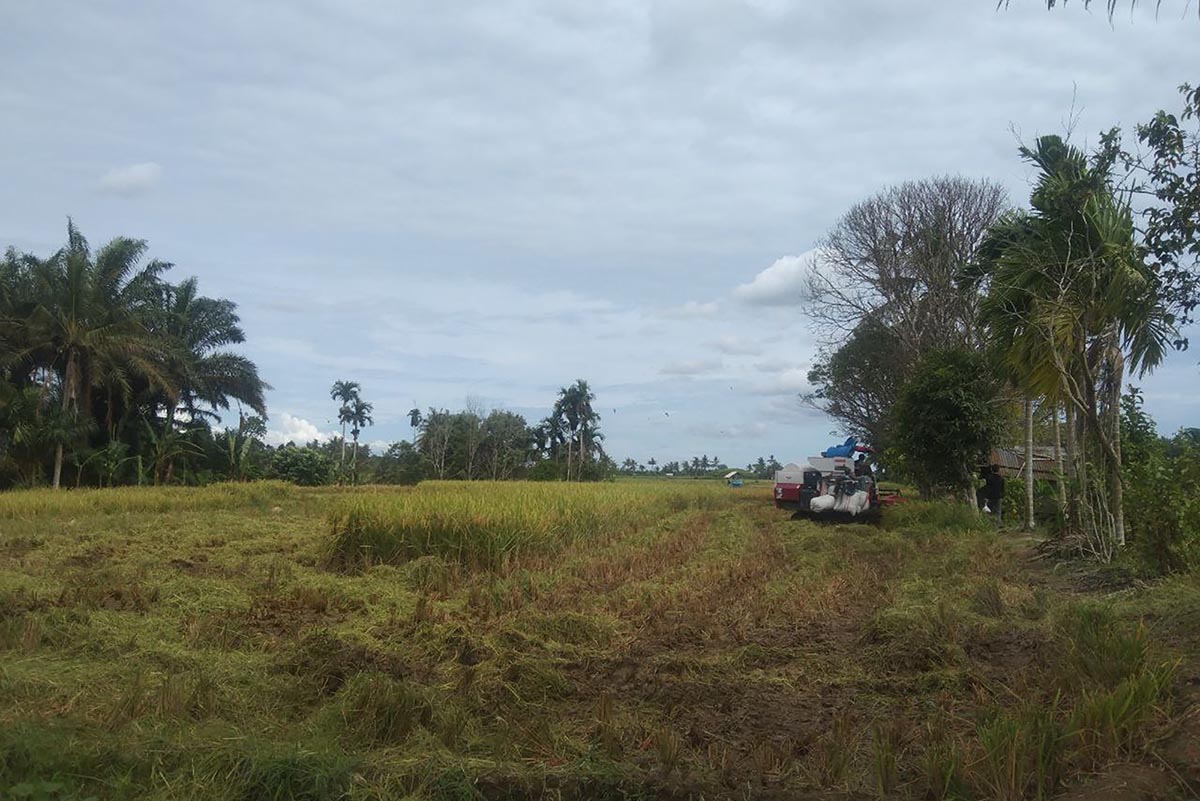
[736, 346]
[692, 367]
[693, 308]
[289, 428]
[784, 283]
[792, 381]
[133, 179]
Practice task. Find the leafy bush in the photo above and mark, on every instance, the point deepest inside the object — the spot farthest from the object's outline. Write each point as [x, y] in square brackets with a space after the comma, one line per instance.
[947, 419]
[1046, 508]
[545, 470]
[307, 467]
[401, 464]
[1162, 490]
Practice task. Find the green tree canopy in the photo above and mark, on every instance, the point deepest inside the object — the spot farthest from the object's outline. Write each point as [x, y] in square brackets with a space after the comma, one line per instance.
[947, 420]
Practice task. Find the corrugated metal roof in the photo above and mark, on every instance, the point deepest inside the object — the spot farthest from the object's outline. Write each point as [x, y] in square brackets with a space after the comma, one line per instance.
[1012, 461]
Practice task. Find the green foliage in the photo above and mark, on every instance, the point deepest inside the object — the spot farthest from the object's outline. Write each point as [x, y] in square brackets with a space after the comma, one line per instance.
[96, 344]
[947, 419]
[1162, 479]
[1109, 723]
[942, 767]
[1046, 508]
[1169, 171]
[306, 467]
[401, 464]
[545, 470]
[859, 382]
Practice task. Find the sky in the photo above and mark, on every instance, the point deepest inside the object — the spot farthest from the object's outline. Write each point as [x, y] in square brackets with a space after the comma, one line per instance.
[485, 200]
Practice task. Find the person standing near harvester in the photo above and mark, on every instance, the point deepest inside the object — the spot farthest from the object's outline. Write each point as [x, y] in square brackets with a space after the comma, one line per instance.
[993, 492]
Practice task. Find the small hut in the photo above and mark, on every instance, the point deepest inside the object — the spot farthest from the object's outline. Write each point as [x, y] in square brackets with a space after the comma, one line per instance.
[733, 478]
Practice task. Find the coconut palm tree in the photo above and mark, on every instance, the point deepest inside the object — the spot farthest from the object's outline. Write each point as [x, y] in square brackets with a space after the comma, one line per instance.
[359, 416]
[574, 408]
[344, 392]
[414, 420]
[1071, 304]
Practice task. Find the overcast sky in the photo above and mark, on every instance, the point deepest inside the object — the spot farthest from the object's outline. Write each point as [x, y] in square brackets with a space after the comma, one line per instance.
[491, 199]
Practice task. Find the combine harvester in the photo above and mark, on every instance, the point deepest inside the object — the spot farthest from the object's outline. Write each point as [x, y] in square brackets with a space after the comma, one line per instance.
[828, 489]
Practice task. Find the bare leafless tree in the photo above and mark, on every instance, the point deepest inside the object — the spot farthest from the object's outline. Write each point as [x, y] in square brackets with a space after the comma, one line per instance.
[896, 258]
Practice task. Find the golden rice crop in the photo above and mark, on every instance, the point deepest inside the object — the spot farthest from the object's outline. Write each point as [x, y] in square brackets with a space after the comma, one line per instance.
[484, 524]
[23, 504]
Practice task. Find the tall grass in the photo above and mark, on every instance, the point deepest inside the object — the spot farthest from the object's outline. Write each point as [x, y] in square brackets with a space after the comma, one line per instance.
[935, 517]
[484, 525]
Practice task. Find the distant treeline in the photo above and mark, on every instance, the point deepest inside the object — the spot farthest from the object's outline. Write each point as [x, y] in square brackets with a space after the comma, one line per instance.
[698, 466]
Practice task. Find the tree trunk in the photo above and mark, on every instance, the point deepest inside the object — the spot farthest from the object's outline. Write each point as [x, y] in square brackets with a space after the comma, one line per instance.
[1058, 463]
[68, 401]
[58, 460]
[1116, 480]
[342, 462]
[1028, 464]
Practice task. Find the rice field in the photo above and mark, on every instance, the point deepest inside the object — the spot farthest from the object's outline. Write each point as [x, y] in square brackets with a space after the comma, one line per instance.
[640, 639]
[488, 525]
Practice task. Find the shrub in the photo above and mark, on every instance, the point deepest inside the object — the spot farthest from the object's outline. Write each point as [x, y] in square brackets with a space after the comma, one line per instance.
[400, 464]
[306, 467]
[947, 419]
[1162, 490]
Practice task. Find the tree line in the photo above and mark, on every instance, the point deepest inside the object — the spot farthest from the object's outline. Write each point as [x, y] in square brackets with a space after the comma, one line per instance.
[699, 467]
[954, 322]
[109, 372]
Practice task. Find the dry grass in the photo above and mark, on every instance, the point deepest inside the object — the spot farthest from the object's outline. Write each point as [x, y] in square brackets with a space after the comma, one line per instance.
[641, 639]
